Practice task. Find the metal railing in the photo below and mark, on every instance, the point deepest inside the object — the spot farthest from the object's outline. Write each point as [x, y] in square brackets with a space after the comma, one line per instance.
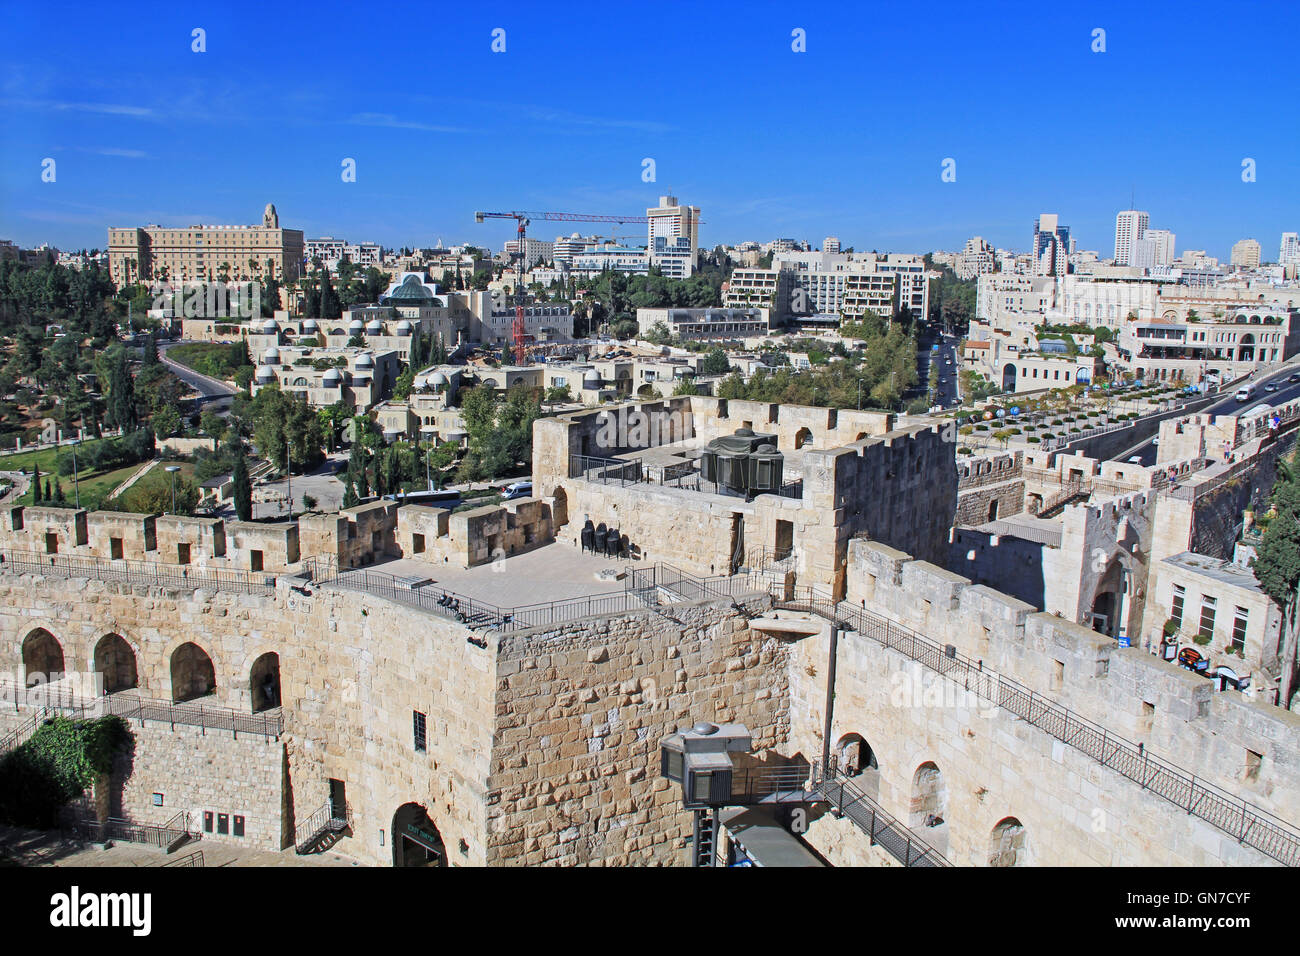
[849, 800]
[189, 859]
[166, 836]
[52, 699]
[181, 577]
[621, 471]
[324, 820]
[1248, 824]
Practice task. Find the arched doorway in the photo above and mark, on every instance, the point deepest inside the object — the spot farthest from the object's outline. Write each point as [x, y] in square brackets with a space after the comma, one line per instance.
[855, 758]
[42, 658]
[802, 437]
[929, 797]
[416, 841]
[115, 661]
[1008, 845]
[1106, 604]
[1246, 348]
[264, 682]
[192, 673]
[993, 510]
[1009, 378]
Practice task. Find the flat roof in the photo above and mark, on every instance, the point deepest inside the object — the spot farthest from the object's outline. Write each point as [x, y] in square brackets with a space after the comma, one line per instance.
[1223, 571]
[764, 840]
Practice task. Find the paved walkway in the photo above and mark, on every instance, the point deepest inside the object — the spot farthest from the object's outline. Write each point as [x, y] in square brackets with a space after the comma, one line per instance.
[20, 847]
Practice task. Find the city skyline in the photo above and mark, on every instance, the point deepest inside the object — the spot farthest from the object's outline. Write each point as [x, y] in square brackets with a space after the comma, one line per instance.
[146, 130]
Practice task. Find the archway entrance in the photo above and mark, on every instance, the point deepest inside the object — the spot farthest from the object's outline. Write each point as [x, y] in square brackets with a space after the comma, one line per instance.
[1106, 605]
[42, 657]
[115, 660]
[1007, 844]
[264, 682]
[192, 673]
[416, 841]
[1009, 378]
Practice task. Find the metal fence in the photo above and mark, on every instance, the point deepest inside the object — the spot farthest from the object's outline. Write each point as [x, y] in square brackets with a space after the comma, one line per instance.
[1248, 824]
[620, 471]
[883, 828]
[50, 700]
[180, 577]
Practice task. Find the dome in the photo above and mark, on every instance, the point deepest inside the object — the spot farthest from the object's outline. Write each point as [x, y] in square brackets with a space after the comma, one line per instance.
[404, 327]
[269, 327]
[365, 360]
[355, 326]
[271, 356]
[420, 382]
[266, 374]
[391, 434]
[437, 378]
[412, 288]
[332, 377]
[374, 327]
[309, 325]
[591, 379]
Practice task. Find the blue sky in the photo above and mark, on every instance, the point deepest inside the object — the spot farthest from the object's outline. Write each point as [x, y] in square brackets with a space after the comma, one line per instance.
[846, 139]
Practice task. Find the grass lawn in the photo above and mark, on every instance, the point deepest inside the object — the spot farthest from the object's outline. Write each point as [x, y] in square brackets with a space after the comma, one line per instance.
[94, 487]
[46, 458]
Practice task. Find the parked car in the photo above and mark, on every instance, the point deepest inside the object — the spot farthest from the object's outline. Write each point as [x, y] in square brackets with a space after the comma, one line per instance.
[518, 489]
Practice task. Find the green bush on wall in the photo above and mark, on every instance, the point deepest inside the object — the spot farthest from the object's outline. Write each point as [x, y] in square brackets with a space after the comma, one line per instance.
[60, 761]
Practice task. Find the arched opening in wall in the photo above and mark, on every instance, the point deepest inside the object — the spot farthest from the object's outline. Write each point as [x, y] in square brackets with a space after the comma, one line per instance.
[855, 758]
[1034, 503]
[416, 841]
[1009, 378]
[993, 510]
[1008, 845]
[192, 673]
[115, 662]
[929, 797]
[861, 435]
[802, 437]
[42, 657]
[1246, 348]
[559, 507]
[1106, 603]
[647, 390]
[264, 682]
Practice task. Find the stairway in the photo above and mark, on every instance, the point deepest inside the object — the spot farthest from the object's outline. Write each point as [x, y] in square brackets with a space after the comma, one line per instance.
[322, 830]
[848, 800]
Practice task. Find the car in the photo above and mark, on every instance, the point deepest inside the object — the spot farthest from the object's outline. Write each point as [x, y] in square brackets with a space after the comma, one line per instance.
[1271, 387]
[1293, 377]
[1135, 460]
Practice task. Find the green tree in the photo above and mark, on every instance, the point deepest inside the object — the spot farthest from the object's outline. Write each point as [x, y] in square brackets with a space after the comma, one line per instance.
[243, 489]
[1277, 567]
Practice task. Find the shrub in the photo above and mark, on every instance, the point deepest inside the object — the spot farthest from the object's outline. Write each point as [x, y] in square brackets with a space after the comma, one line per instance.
[1034, 439]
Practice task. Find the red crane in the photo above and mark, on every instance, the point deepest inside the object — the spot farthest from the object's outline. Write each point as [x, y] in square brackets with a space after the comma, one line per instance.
[523, 218]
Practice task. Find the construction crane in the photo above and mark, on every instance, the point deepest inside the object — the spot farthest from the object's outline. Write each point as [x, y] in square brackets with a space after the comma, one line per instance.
[523, 219]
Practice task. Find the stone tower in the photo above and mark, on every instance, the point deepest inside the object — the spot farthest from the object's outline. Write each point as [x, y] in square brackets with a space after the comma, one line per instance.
[270, 219]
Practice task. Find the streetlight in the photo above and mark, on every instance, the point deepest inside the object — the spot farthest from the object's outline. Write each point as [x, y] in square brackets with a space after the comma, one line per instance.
[171, 470]
[76, 488]
[288, 471]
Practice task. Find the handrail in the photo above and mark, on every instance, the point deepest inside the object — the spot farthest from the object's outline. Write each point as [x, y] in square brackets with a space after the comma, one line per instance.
[322, 820]
[1250, 825]
[189, 859]
[50, 698]
[884, 829]
[146, 573]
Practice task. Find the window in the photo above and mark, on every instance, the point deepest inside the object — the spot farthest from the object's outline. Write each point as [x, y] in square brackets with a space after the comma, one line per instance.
[223, 823]
[418, 723]
[417, 543]
[115, 548]
[182, 554]
[1176, 609]
[1207, 616]
[207, 821]
[255, 560]
[239, 826]
[1239, 624]
[157, 799]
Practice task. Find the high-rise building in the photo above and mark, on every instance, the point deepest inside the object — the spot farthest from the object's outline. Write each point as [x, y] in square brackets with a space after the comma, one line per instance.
[206, 253]
[1154, 249]
[1245, 253]
[534, 250]
[671, 221]
[1051, 246]
[976, 259]
[831, 244]
[1289, 253]
[566, 247]
[1130, 226]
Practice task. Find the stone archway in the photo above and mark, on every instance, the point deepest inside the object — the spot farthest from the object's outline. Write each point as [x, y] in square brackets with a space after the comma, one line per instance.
[1009, 377]
[802, 437]
[416, 840]
[42, 658]
[929, 803]
[192, 672]
[1106, 602]
[115, 662]
[264, 682]
[1008, 844]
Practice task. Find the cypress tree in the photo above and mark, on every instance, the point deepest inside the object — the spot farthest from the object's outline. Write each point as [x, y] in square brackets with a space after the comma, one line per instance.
[243, 490]
[36, 485]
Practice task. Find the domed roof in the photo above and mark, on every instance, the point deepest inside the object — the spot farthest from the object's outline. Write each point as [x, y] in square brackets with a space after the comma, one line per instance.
[411, 289]
[591, 376]
[332, 376]
[309, 325]
[271, 356]
[404, 327]
[265, 374]
[365, 360]
[270, 327]
[356, 325]
[420, 382]
[374, 327]
[437, 378]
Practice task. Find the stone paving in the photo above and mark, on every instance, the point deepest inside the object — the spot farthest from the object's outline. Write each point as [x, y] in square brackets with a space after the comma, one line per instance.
[20, 847]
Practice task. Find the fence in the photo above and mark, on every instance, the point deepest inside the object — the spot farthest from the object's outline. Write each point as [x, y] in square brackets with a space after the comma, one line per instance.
[622, 471]
[142, 573]
[50, 699]
[1250, 825]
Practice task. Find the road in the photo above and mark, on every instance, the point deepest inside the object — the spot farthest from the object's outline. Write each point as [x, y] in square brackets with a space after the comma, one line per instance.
[946, 356]
[215, 394]
[1228, 405]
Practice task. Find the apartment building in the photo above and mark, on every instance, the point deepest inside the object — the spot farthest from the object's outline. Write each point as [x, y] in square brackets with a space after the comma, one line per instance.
[1289, 252]
[359, 378]
[532, 250]
[206, 252]
[1051, 249]
[976, 259]
[1130, 226]
[1246, 253]
[706, 323]
[679, 228]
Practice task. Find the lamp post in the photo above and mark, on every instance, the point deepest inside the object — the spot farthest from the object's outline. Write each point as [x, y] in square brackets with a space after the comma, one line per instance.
[76, 488]
[171, 470]
[288, 471]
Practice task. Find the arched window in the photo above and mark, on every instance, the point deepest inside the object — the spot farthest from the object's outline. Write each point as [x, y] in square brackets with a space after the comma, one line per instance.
[115, 661]
[192, 673]
[1007, 844]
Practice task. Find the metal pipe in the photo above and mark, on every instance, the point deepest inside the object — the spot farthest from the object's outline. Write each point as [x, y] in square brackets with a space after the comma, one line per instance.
[830, 698]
